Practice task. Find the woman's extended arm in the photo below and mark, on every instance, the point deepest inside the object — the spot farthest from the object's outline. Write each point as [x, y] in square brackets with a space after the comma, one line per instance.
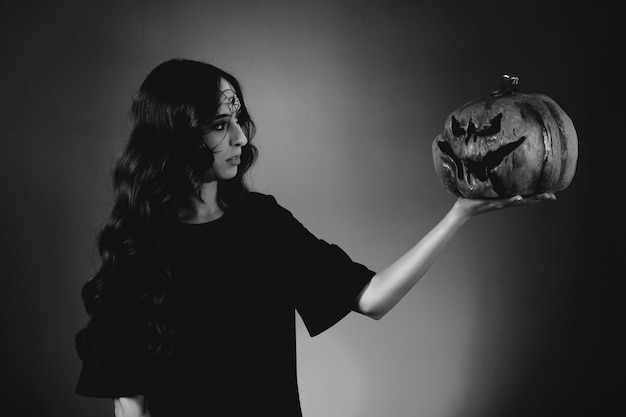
[388, 287]
[131, 407]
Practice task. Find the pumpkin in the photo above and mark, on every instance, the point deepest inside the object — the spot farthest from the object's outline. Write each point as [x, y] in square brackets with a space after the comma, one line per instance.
[505, 144]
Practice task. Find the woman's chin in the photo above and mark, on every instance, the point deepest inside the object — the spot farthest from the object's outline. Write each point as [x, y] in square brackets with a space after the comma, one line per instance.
[226, 175]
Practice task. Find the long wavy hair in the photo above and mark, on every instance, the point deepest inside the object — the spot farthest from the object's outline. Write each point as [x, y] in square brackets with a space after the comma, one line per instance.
[159, 171]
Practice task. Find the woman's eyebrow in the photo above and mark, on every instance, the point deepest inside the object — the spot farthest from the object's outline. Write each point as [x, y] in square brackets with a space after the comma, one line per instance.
[223, 115]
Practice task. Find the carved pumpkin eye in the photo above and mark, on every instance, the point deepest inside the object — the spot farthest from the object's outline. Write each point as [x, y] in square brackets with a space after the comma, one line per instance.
[492, 128]
[528, 145]
[457, 130]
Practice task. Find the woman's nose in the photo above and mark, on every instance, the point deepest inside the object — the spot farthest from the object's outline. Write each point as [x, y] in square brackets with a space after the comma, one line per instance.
[237, 136]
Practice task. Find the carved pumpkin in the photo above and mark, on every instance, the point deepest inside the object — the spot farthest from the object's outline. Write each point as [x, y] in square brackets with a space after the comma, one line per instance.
[506, 144]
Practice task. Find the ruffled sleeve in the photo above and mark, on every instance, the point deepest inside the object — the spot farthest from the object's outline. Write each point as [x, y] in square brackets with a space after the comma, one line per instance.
[116, 364]
[319, 278]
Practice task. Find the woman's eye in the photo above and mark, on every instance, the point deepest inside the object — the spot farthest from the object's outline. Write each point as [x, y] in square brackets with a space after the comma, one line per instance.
[218, 126]
[221, 125]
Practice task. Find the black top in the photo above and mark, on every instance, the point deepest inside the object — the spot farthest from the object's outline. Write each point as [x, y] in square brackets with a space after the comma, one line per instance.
[239, 281]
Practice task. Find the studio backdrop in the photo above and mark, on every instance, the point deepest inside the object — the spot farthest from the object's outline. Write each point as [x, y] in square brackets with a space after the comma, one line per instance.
[519, 316]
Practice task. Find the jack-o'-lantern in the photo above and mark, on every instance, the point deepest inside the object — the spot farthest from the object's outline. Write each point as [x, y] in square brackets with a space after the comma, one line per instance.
[506, 144]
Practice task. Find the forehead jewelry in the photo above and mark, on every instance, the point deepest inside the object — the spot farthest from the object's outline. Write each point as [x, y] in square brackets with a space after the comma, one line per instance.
[229, 97]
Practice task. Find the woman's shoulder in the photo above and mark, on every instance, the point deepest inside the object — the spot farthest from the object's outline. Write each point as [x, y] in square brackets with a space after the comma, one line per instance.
[264, 207]
[255, 200]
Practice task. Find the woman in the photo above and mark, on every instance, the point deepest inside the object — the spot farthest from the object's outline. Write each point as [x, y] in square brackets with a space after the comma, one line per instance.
[193, 306]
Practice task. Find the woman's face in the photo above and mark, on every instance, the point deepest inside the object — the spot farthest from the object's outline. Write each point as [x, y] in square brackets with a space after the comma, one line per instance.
[225, 137]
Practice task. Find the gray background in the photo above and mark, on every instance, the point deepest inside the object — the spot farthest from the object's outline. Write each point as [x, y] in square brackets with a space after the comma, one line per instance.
[521, 314]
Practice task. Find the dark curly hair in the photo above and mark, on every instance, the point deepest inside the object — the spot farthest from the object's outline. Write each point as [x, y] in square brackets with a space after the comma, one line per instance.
[161, 167]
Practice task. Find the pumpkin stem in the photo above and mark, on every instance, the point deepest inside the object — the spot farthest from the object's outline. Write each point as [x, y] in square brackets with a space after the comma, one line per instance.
[508, 86]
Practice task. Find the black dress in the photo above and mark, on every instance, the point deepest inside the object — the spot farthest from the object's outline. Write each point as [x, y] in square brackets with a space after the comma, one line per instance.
[239, 281]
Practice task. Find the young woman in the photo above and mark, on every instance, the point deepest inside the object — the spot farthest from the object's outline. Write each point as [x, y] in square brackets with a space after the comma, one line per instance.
[193, 307]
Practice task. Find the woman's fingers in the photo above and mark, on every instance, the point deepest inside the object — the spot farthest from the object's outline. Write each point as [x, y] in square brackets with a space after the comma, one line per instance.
[518, 200]
[470, 207]
[537, 198]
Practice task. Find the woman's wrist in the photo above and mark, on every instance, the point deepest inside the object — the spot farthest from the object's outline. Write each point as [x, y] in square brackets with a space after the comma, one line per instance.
[459, 213]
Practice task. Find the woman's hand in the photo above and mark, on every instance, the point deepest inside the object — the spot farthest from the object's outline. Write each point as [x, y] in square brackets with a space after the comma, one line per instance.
[131, 407]
[468, 208]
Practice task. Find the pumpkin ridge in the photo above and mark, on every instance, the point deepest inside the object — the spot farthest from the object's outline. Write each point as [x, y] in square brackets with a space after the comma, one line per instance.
[547, 140]
[556, 115]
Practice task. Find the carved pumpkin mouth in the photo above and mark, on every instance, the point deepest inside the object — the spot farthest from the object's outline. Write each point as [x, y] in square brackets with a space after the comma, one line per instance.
[470, 169]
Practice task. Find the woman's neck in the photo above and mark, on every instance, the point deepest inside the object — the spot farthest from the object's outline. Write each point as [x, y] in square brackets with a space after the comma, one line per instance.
[205, 210]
